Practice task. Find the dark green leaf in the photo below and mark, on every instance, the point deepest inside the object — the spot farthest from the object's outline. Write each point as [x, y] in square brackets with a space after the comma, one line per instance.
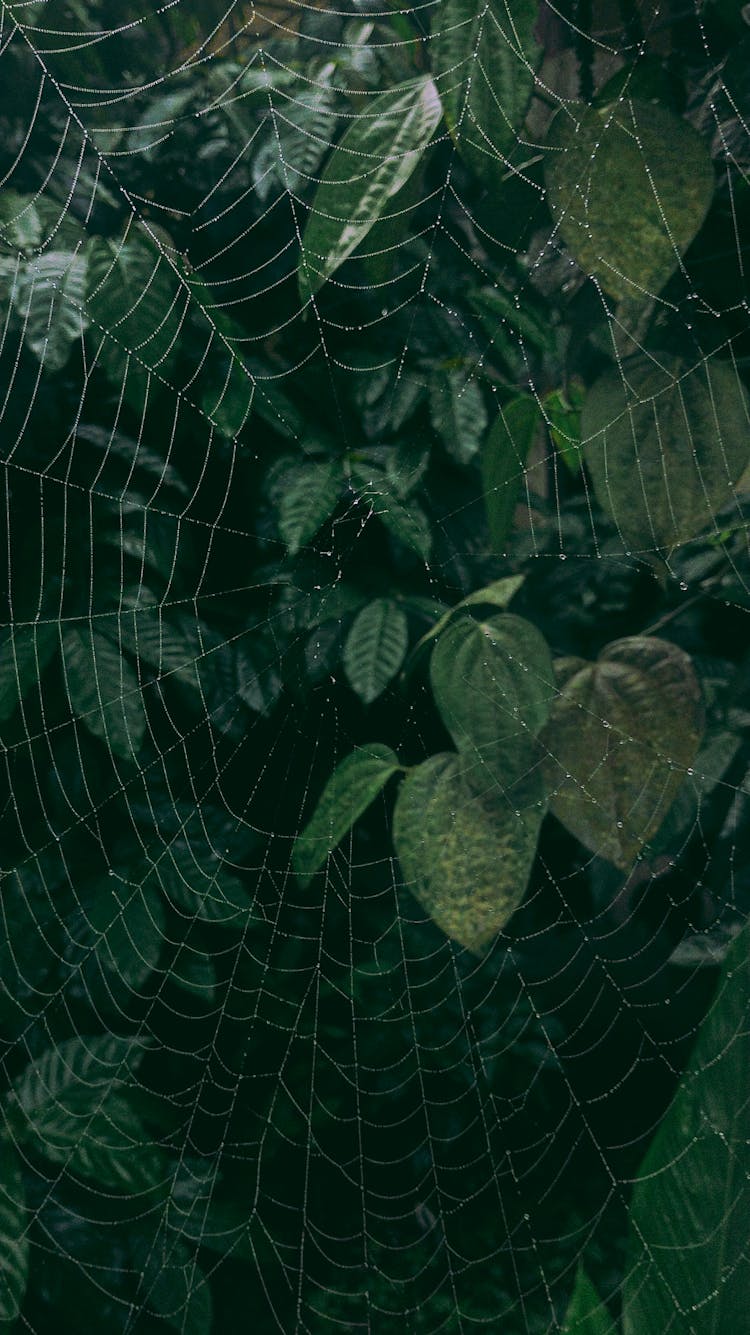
[354, 784]
[622, 733]
[504, 456]
[114, 940]
[136, 306]
[173, 1285]
[24, 654]
[690, 1214]
[483, 56]
[199, 883]
[308, 499]
[629, 187]
[406, 520]
[466, 856]
[493, 684]
[50, 297]
[193, 971]
[586, 1314]
[375, 158]
[14, 1243]
[104, 691]
[664, 443]
[375, 648]
[458, 414]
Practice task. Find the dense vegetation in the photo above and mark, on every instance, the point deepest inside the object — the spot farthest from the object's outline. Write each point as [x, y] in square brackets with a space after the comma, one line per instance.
[373, 684]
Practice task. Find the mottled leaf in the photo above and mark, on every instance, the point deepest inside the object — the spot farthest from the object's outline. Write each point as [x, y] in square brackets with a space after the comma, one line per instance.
[664, 443]
[354, 784]
[466, 856]
[687, 1266]
[493, 684]
[373, 160]
[622, 733]
[629, 186]
[375, 648]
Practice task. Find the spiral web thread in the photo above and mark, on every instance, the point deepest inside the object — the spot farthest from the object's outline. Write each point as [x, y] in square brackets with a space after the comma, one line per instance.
[310, 1104]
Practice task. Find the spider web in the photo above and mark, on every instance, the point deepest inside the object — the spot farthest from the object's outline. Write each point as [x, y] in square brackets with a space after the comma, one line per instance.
[234, 1100]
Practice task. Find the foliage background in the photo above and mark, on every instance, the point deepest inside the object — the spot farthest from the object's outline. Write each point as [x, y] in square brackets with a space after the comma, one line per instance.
[235, 1095]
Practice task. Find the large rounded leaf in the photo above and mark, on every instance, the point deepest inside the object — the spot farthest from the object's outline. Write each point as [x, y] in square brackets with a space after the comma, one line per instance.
[370, 164]
[622, 733]
[629, 186]
[664, 443]
[466, 857]
[493, 684]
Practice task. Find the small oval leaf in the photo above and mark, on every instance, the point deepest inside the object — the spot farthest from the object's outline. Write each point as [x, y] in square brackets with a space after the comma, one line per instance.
[375, 648]
[351, 788]
[665, 443]
[465, 856]
[629, 186]
[621, 735]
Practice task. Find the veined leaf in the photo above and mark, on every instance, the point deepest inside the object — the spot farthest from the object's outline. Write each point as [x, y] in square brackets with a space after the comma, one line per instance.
[94, 1064]
[629, 186]
[406, 520]
[497, 594]
[194, 971]
[621, 735]
[114, 940]
[373, 160]
[665, 443]
[690, 1213]
[50, 298]
[174, 1286]
[493, 685]
[466, 856]
[104, 691]
[14, 1243]
[504, 456]
[375, 648]
[199, 883]
[458, 414]
[25, 652]
[308, 499]
[354, 784]
[587, 1314]
[483, 56]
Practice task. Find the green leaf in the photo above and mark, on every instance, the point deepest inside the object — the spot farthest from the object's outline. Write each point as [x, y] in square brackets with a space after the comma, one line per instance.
[665, 442]
[493, 685]
[406, 520]
[50, 297]
[171, 645]
[375, 648]
[458, 414]
[174, 1286]
[198, 882]
[308, 499]
[136, 308]
[621, 735]
[504, 456]
[194, 971]
[483, 55]
[104, 691]
[466, 856]
[70, 1104]
[586, 1314]
[690, 1214]
[562, 410]
[373, 160]
[629, 186]
[497, 594]
[354, 784]
[25, 652]
[14, 1243]
[114, 939]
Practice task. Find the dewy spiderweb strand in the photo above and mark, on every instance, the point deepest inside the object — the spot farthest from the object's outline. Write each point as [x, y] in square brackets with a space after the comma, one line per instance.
[373, 676]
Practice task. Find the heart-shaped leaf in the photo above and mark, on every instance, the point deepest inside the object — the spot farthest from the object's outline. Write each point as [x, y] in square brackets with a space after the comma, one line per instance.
[466, 856]
[664, 443]
[621, 735]
[629, 186]
[493, 684]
